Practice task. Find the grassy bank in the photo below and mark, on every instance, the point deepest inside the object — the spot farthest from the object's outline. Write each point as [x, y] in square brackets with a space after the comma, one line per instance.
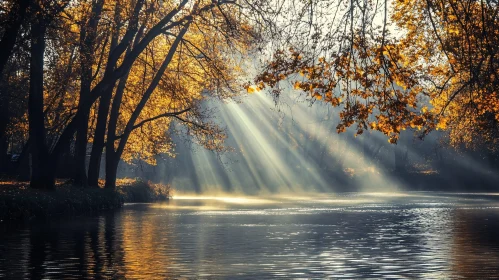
[19, 202]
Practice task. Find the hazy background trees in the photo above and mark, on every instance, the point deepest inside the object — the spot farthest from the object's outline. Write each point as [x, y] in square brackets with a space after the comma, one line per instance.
[87, 80]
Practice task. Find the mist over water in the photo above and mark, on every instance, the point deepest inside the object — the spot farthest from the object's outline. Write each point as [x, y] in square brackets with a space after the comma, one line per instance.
[293, 147]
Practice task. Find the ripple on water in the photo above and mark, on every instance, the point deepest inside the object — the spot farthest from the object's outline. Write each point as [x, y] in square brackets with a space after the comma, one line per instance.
[415, 235]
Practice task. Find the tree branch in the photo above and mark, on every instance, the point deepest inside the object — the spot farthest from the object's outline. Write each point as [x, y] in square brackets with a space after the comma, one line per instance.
[191, 122]
[169, 114]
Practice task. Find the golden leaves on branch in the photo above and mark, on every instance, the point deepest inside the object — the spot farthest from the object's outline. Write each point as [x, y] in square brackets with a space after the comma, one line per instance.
[375, 85]
[440, 72]
[459, 51]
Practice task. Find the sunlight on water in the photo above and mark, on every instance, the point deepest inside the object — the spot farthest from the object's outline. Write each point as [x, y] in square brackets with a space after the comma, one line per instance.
[172, 206]
[283, 199]
[219, 236]
[225, 199]
[210, 202]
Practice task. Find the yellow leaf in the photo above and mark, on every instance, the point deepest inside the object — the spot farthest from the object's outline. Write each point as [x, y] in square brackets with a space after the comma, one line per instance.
[454, 31]
[442, 124]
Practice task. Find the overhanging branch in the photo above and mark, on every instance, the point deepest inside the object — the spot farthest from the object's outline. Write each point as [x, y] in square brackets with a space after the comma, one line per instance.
[168, 114]
[190, 122]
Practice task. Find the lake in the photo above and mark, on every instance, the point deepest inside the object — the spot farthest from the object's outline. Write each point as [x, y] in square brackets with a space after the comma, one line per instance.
[351, 235]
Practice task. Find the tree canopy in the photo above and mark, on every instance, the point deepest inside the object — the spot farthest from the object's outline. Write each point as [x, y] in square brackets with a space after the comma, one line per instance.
[397, 65]
[113, 75]
[110, 77]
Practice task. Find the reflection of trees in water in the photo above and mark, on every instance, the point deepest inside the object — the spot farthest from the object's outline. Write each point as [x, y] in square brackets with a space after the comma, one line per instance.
[84, 249]
[145, 243]
[37, 254]
[112, 245]
[141, 235]
[476, 241]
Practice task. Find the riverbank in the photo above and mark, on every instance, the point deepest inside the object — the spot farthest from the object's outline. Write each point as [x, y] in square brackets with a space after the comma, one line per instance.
[19, 202]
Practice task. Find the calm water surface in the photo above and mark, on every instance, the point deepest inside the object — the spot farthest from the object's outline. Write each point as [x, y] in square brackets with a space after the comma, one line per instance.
[391, 236]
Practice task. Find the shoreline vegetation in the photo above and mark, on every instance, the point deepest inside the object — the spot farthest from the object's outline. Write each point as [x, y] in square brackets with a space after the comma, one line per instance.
[20, 202]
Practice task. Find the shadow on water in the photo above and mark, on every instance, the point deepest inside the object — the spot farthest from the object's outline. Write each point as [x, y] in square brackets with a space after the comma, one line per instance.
[422, 235]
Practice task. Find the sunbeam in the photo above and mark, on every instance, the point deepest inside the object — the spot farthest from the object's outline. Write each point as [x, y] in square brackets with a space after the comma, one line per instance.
[282, 149]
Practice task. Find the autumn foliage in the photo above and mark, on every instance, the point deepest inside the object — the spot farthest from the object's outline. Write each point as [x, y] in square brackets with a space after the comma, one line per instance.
[426, 65]
[115, 78]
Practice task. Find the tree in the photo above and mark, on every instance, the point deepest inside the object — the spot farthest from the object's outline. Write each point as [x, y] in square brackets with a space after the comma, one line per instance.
[194, 64]
[88, 36]
[121, 70]
[41, 176]
[347, 56]
[462, 72]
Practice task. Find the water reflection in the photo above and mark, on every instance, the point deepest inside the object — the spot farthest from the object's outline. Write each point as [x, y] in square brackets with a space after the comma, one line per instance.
[416, 235]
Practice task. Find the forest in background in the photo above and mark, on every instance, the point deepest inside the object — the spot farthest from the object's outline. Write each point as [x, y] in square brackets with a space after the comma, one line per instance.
[85, 82]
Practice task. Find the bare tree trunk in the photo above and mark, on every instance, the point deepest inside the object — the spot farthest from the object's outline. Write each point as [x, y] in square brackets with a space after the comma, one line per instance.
[4, 157]
[80, 171]
[4, 120]
[40, 178]
[98, 143]
[112, 162]
[111, 165]
[87, 41]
